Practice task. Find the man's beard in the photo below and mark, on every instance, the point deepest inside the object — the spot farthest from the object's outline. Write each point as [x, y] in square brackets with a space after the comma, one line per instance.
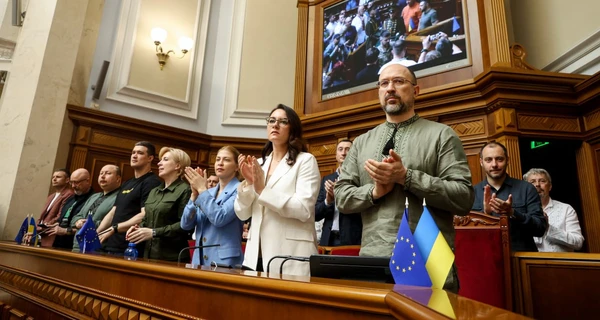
[395, 109]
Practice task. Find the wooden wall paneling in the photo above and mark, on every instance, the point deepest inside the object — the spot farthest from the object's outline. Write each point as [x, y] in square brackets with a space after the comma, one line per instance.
[497, 33]
[301, 57]
[514, 155]
[559, 285]
[589, 176]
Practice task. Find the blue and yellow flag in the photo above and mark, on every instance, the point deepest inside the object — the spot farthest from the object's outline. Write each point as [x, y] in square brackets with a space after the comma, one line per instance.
[435, 250]
[32, 229]
[87, 237]
[22, 230]
[406, 264]
[411, 25]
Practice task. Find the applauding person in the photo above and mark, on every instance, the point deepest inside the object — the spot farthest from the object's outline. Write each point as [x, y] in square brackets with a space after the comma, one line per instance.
[211, 212]
[160, 226]
[279, 194]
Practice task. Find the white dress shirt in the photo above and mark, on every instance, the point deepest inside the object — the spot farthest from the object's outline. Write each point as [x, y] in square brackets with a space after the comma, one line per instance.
[564, 232]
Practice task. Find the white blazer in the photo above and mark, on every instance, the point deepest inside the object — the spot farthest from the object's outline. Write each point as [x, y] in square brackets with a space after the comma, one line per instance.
[283, 215]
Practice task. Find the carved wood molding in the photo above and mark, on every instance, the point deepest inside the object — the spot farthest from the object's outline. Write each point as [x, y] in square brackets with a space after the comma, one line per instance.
[518, 54]
[85, 301]
[322, 149]
[505, 119]
[468, 128]
[592, 120]
[471, 221]
[549, 123]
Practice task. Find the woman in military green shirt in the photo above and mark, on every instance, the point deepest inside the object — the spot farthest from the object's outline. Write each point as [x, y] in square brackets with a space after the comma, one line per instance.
[160, 227]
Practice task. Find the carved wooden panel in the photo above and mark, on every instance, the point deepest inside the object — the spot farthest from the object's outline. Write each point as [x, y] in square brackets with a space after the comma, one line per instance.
[549, 123]
[88, 302]
[78, 157]
[592, 120]
[514, 163]
[588, 173]
[468, 128]
[322, 149]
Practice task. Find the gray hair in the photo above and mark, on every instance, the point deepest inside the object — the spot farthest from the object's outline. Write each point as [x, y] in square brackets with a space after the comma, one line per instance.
[537, 171]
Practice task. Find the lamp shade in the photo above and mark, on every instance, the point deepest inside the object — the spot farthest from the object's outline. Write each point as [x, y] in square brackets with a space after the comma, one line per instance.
[186, 43]
[158, 34]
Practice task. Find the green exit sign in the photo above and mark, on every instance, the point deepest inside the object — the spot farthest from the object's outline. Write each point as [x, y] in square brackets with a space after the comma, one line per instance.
[539, 144]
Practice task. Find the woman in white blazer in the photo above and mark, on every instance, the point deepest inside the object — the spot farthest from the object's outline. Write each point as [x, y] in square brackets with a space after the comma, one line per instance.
[279, 194]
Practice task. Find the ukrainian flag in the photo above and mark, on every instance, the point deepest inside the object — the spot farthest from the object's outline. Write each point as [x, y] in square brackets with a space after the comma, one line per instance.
[434, 249]
[435, 299]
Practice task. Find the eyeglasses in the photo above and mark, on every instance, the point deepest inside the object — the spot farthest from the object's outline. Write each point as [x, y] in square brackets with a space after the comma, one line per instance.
[282, 122]
[73, 182]
[396, 82]
[540, 181]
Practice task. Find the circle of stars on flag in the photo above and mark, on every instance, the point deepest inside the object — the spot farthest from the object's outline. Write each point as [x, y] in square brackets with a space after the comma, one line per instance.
[408, 267]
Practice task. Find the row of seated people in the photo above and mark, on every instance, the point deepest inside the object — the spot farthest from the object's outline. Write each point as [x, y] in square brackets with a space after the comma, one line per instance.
[279, 191]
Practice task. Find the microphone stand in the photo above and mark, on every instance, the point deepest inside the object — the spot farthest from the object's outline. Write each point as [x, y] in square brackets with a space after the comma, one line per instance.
[195, 247]
[304, 259]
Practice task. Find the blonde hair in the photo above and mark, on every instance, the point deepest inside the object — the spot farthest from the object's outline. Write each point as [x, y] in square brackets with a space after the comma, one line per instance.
[179, 156]
[235, 154]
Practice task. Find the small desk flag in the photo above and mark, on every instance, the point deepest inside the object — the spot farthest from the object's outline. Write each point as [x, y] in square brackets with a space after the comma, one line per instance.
[434, 249]
[87, 237]
[22, 230]
[32, 229]
[455, 25]
[406, 264]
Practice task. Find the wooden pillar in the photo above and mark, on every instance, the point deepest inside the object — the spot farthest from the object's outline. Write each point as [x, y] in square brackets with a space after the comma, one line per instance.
[502, 125]
[514, 163]
[587, 172]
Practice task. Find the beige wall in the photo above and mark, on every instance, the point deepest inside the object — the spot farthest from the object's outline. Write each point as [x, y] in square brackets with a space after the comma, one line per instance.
[268, 54]
[179, 21]
[550, 28]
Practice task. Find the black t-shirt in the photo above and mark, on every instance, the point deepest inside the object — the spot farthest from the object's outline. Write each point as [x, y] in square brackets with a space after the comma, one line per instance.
[129, 202]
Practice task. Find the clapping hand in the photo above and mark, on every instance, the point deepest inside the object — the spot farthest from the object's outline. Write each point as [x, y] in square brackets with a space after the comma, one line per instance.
[197, 180]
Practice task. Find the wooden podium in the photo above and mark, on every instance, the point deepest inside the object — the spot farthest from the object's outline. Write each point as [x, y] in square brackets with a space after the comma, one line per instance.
[51, 284]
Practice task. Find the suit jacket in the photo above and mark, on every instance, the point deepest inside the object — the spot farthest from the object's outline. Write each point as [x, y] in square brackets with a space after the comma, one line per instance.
[350, 224]
[216, 223]
[52, 215]
[283, 215]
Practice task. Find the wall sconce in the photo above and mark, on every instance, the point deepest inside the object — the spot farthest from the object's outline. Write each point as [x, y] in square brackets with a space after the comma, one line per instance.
[158, 36]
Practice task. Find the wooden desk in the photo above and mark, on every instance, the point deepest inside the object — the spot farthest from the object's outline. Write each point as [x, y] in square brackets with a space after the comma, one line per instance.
[552, 285]
[47, 284]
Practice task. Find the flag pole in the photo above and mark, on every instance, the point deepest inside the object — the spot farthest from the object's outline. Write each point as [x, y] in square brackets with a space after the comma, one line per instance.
[424, 203]
[406, 202]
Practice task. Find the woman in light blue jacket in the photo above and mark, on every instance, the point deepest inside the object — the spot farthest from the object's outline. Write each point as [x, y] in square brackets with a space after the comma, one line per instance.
[211, 212]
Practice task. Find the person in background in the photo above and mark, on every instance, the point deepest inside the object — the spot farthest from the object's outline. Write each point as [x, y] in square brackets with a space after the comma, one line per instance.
[212, 181]
[82, 188]
[338, 229]
[499, 194]
[280, 193]
[130, 200]
[564, 232]
[211, 212]
[100, 203]
[54, 204]
[160, 227]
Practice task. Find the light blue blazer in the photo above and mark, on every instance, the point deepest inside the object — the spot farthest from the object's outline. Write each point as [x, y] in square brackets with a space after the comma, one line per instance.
[215, 222]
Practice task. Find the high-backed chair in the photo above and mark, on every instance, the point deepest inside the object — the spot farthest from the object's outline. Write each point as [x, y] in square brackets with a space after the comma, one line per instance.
[482, 258]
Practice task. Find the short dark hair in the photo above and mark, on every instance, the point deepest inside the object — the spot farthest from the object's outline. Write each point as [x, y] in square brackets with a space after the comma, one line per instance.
[386, 33]
[493, 144]
[444, 46]
[150, 148]
[344, 140]
[398, 46]
[65, 170]
[295, 142]
[372, 55]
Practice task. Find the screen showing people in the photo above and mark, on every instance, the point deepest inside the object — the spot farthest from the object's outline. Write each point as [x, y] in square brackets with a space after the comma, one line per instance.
[361, 37]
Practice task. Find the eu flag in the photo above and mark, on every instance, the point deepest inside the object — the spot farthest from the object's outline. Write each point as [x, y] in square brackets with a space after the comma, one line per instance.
[22, 231]
[406, 264]
[455, 25]
[434, 249]
[33, 231]
[87, 237]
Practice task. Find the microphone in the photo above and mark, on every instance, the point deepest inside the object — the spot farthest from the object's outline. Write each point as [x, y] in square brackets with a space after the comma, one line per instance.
[304, 259]
[195, 247]
[276, 257]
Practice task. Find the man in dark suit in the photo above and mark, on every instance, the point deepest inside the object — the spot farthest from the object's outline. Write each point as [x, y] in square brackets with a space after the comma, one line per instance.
[338, 228]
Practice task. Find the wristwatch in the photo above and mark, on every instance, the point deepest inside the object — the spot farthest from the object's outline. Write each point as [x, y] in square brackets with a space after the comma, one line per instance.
[115, 227]
[153, 233]
[423, 50]
[69, 230]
